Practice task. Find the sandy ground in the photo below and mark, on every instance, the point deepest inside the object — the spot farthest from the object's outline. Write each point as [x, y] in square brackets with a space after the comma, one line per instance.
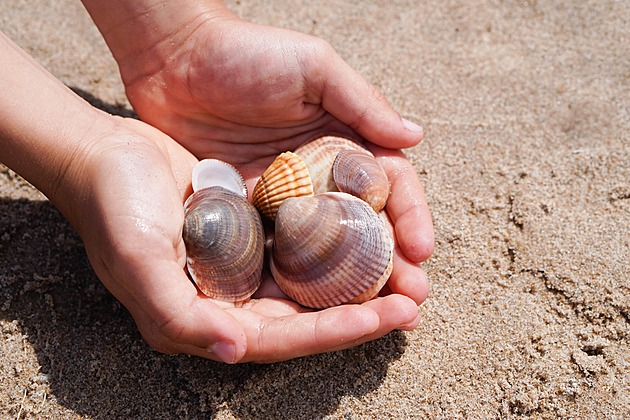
[526, 163]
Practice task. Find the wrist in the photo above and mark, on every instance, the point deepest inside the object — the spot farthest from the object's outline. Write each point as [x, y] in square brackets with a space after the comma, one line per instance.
[145, 34]
[44, 127]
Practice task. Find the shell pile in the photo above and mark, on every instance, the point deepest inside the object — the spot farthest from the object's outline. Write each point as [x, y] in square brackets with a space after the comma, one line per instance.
[330, 245]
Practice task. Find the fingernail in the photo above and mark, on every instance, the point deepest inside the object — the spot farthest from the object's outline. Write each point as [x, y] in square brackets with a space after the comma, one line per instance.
[224, 351]
[411, 126]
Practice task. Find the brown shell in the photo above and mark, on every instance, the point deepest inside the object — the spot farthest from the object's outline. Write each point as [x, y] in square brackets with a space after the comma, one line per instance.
[330, 249]
[287, 176]
[359, 174]
[319, 156]
[224, 240]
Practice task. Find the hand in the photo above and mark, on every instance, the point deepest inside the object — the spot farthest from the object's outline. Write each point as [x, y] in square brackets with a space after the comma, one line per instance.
[121, 183]
[135, 179]
[244, 93]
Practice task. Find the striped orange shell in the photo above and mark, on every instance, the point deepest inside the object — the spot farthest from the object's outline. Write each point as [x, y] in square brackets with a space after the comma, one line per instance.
[287, 176]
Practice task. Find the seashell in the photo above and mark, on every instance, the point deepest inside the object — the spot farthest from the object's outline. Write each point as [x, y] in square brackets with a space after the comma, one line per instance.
[216, 173]
[358, 173]
[330, 249]
[319, 156]
[223, 234]
[286, 177]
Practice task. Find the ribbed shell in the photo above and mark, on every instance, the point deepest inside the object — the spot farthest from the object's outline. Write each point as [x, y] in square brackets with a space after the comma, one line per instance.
[359, 174]
[224, 241]
[319, 156]
[330, 249]
[286, 177]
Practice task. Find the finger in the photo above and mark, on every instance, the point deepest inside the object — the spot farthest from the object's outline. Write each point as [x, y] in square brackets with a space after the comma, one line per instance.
[407, 205]
[272, 339]
[173, 317]
[407, 279]
[349, 97]
[394, 311]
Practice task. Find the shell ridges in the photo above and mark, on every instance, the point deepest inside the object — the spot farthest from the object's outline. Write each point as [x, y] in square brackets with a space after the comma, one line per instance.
[338, 251]
[224, 241]
[286, 177]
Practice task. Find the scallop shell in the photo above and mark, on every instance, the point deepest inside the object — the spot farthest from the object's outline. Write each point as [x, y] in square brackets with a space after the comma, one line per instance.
[330, 249]
[359, 174]
[319, 156]
[224, 241]
[286, 177]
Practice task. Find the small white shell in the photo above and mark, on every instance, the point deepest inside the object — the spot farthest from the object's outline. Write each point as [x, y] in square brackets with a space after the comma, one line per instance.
[216, 173]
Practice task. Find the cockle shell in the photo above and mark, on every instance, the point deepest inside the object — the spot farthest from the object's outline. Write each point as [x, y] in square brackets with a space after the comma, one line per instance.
[330, 249]
[358, 173]
[319, 156]
[223, 234]
[286, 177]
[311, 170]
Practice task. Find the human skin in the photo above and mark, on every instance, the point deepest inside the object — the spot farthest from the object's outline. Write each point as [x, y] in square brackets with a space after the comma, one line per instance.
[229, 89]
[121, 184]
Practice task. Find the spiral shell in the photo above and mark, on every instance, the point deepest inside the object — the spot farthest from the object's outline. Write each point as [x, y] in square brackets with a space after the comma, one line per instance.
[319, 156]
[330, 249]
[358, 173]
[223, 234]
[286, 177]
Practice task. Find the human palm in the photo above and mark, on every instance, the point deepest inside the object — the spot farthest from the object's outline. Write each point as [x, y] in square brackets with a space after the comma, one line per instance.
[235, 86]
[131, 223]
[244, 93]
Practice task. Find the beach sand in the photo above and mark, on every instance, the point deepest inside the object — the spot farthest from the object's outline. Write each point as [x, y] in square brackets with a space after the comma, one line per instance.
[526, 165]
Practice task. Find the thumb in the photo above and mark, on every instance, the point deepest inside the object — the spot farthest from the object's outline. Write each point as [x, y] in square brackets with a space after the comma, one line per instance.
[174, 318]
[353, 100]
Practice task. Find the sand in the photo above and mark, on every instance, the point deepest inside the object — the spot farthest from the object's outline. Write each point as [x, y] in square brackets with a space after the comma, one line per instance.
[526, 163]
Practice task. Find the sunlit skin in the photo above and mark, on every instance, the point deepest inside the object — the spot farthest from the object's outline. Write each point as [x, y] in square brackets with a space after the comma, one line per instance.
[207, 85]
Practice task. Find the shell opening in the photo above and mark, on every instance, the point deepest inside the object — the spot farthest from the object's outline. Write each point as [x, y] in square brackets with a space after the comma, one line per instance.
[216, 173]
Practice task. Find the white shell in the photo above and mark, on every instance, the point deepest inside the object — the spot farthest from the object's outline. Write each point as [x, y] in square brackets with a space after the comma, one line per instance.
[216, 173]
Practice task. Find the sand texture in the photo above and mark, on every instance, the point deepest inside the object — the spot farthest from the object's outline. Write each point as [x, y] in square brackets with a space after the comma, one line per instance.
[526, 164]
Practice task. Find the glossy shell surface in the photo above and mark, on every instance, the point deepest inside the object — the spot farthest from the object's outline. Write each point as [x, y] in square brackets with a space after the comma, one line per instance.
[359, 174]
[319, 156]
[224, 241]
[330, 249]
[216, 173]
[286, 177]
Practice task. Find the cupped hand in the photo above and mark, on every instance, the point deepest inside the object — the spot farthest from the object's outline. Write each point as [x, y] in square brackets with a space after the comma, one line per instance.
[241, 92]
[135, 179]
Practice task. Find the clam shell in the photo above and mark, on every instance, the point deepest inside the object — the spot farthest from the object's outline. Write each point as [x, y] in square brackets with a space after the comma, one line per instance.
[330, 249]
[359, 174]
[224, 241]
[319, 156]
[214, 172]
[286, 177]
